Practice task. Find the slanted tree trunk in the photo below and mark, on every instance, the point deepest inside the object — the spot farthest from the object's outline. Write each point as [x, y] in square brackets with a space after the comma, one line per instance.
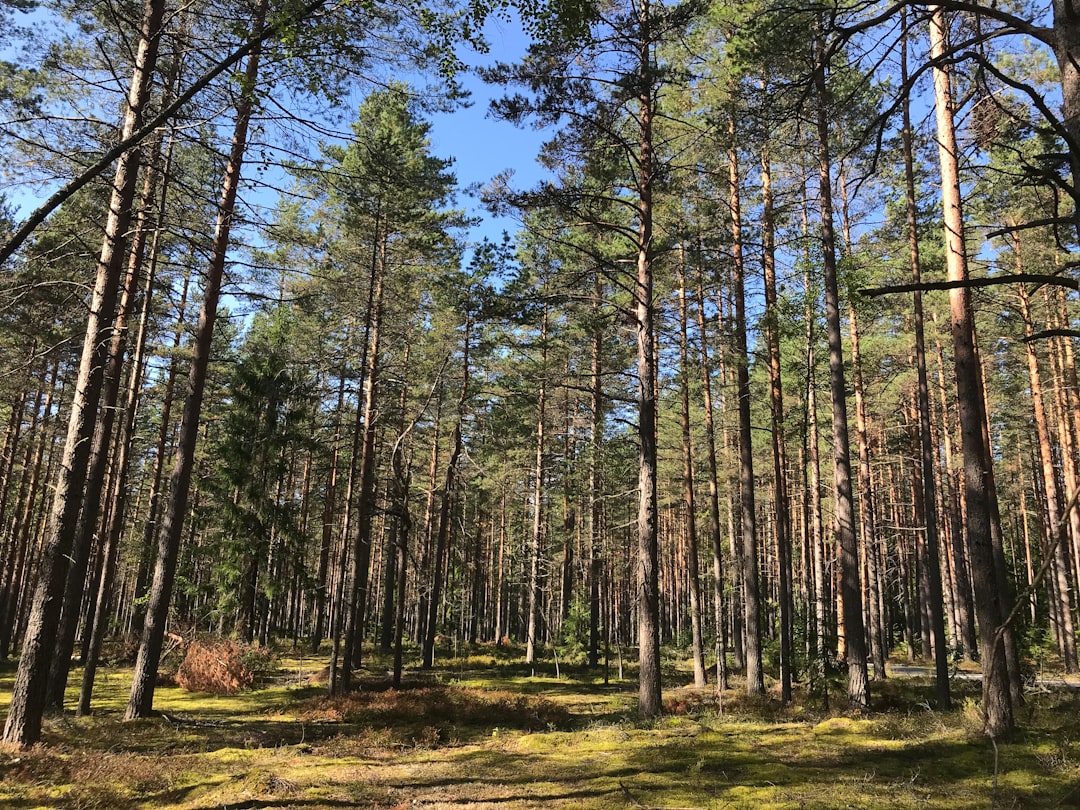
[854, 632]
[118, 498]
[140, 702]
[92, 516]
[23, 726]
[997, 702]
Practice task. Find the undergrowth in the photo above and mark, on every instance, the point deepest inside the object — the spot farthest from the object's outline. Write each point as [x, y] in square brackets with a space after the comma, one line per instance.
[483, 731]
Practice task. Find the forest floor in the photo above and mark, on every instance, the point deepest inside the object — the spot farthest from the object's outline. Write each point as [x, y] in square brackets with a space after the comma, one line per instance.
[484, 731]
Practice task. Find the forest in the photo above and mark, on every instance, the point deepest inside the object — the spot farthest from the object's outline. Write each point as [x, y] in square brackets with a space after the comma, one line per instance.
[775, 376]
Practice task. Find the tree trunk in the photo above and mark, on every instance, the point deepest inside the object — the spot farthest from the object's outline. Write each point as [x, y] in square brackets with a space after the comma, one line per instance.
[648, 597]
[442, 536]
[356, 604]
[536, 540]
[118, 498]
[997, 702]
[854, 632]
[689, 505]
[748, 549]
[927, 451]
[1065, 630]
[23, 725]
[140, 702]
[596, 459]
[779, 453]
[715, 537]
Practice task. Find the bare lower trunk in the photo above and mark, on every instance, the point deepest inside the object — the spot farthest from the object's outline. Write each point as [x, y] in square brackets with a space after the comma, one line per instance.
[140, 703]
[748, 550]
[23, 725]
[854, 632]
[997, 703]
[927, 450]
[689, 504]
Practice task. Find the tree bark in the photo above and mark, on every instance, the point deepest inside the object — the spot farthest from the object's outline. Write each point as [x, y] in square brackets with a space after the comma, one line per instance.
[23, 726]
[748, 548]
[140, 702]
[776, 409]
[854, 632]
[689, 504]
[927, 452]
[997, 702]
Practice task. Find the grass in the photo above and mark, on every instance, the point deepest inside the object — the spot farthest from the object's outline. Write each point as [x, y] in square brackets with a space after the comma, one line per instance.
[484, 731]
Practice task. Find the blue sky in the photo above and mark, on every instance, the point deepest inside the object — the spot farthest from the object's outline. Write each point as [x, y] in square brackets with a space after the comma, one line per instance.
[481, 146]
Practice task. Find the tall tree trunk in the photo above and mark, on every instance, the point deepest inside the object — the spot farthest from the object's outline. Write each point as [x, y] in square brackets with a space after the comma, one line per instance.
[443, 531]
[118, 498]
[748, 549]
[536, 540]
[997, 702]
[22, 528]
[356, 604]
[596, 459]
[854, 632]
[776, 409]
[140, 702]
[689, 504]
[927, 452]
[715, 537]
[92, 517]
[329, 520]
[867, 520]
[1060, 569]
[23, 726]
[648, 597]
[813, 477]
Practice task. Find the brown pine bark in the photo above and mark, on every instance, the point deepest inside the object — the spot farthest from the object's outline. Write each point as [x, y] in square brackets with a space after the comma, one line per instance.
[536, 535]
[356, 603]
[596, 458]
[689, 502]
[854, 631]
[748, 546]
[23, 726]
[441, 539]
[715, 537]
[648, 597]
[1064, 629]
[98, 623]
[997, 702]
[781, 497]
[867, 519]
[927, 449]
[140, 702]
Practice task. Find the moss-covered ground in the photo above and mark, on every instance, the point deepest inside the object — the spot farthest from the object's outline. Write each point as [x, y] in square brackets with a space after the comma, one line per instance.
[483, 731]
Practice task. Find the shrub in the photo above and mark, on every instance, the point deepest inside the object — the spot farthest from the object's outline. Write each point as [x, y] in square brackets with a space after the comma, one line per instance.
[221, 666]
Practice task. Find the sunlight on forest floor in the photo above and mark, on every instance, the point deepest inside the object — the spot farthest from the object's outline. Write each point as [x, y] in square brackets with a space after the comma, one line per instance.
[486, 732]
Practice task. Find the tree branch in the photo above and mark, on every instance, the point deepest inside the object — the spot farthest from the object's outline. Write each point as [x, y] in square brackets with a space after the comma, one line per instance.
[65, 192]
[993, 281]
